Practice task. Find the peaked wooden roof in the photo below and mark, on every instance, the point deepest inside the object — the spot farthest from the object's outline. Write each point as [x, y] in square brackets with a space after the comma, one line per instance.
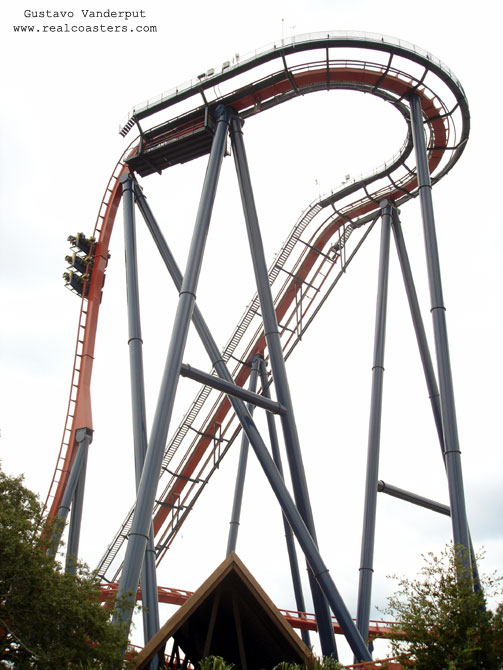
[230, 615]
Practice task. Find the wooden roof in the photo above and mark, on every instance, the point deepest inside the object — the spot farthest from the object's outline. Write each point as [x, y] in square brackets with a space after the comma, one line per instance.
[230, 615]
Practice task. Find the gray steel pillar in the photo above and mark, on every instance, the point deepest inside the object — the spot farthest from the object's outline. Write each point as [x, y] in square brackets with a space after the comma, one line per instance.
[147, 488]
[223, 373]
[369, 512]
[422, 342]
[289, 536]
[148, 578]
[272, 335]
[413, 498]
[449, 422]
[429, 372]
[307, 543]
[72, 551]
[243, 460]
[275, 479]
[230, 388]
[83, 438]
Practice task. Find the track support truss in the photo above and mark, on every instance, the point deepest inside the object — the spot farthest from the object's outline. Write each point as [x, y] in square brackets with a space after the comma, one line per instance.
[281, 316]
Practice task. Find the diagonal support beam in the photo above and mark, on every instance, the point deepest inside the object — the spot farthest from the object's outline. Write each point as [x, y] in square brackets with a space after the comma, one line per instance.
[241, 473]
[449, 421]
[272, 334]
[222, 370]
[422, 342]
[319, 569]
[148, 578]
[315, 562]
[232, 389]
[289, 536]
[83, 438]
[142, 519]
[72, 552]
[369, 510]
[413, 498]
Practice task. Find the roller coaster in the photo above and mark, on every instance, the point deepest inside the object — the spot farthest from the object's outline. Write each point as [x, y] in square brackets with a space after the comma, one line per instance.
[192, 121]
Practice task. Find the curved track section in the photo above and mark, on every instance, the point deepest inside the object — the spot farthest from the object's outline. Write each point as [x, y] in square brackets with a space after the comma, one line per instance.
[79, 414]
[315, 254]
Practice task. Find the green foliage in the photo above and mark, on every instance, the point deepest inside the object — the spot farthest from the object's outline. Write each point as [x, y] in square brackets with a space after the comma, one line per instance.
[48, 619]
[284, 665]
[215, 663]
[444, 624]
[326, 663]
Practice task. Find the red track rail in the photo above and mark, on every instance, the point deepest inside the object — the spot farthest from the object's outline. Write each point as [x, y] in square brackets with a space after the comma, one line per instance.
[299, 620]
[79, 413]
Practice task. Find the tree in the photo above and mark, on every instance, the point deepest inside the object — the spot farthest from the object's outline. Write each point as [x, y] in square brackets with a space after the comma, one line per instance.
[443, 623]
[48, 618]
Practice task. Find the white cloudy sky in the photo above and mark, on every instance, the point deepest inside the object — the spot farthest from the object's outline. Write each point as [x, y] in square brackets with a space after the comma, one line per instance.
[63, 96]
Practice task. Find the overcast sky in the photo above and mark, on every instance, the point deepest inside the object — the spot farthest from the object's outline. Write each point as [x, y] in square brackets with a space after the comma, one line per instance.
[63, 97]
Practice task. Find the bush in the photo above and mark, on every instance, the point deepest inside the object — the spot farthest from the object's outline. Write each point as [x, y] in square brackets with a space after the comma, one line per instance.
[444, 623]
[49, 619]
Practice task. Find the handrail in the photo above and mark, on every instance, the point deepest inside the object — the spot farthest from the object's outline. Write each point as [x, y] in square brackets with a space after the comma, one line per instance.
[308, 41]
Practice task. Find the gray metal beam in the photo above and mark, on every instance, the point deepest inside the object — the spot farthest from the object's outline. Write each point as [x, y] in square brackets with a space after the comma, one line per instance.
[317, 567]
[142, 518]
[422, 342]
[271, 331]
[289, 536]
[275, 479]
[223, 372]
[232, 389]
[449, 422]
[148, 580]
[413, 498]
[83, 438]
[369, 510]
[241, 473]
[72, 550]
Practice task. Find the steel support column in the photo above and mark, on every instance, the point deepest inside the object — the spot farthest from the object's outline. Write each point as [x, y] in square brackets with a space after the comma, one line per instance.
[307, 543]
[83, 438]
[148, 578]
[243, 461]
[223, 373]
[449, 422]
[148, 483]
[72, 551]
[413, 498]
[289, 536]
[272, 335]
[271, 471]
[417, 321]
[369, 511]
[230, 388]
[429, 372]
